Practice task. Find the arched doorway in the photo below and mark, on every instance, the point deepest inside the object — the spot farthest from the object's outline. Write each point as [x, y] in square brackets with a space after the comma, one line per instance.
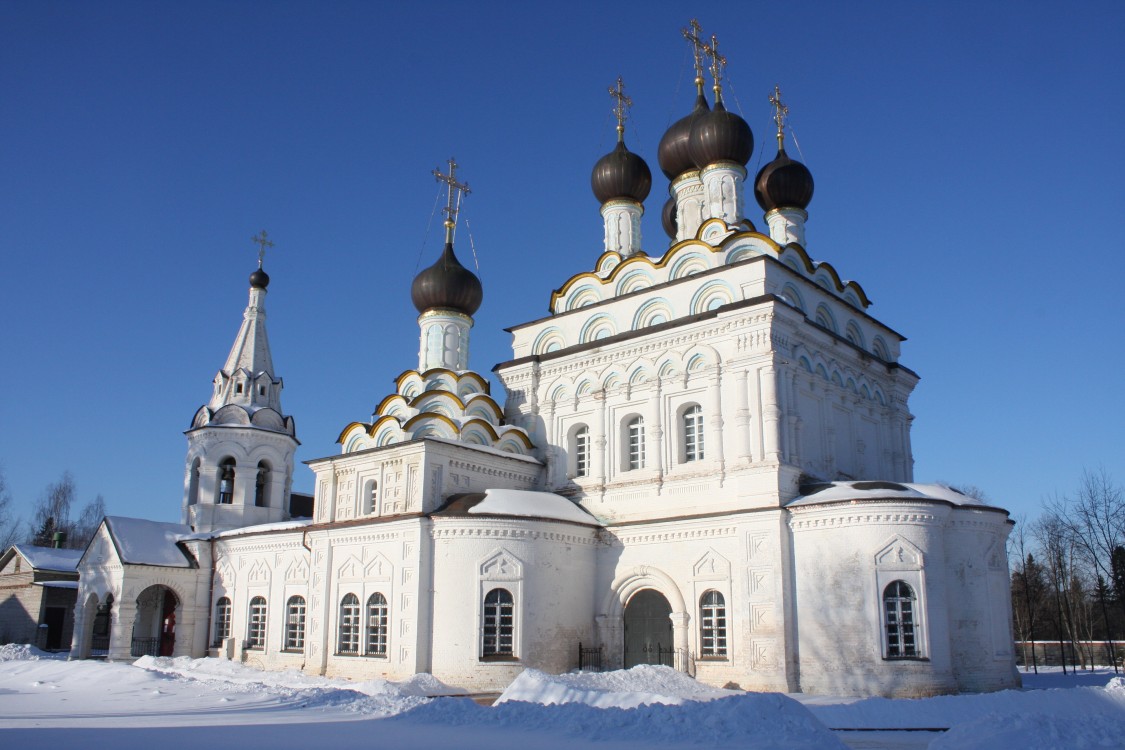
[648, 629]
[154, 630]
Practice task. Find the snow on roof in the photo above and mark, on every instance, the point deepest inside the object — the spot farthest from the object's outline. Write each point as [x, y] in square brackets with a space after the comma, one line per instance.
[838, 492]
[141, 542]
[277, 526]
[49, 558]
[531, 504]
[484, 448]
[58, 584]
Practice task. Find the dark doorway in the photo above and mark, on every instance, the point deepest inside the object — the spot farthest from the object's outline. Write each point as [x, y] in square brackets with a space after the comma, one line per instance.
[168, 625]
[53, 618]
[648, 629]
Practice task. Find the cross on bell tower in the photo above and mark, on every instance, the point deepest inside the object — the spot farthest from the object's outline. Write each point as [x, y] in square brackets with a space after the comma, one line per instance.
[693, 33]
[457, 190]
[262, 242]
[621, 105]
[718, 62]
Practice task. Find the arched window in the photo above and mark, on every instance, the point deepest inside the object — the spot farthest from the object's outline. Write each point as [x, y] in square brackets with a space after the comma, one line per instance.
[580, 451]
[498, 633]
[261, 485]
[712, 625]
[193, 482]
[693, 433]
[256, 627]
[377, 616]
[295, 624]
[222, 620]
[898, 608]
[226, 481]
[635, 444]
[348, 642]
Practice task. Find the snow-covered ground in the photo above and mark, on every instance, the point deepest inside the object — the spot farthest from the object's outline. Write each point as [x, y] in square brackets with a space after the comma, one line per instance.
[175, 703]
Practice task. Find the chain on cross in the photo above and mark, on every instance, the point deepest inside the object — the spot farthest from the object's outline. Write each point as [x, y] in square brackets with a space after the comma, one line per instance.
[262, 242]
[780, 113]
[621, 105]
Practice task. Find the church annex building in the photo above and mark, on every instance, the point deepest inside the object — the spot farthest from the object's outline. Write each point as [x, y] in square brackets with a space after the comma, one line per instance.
[703, 461]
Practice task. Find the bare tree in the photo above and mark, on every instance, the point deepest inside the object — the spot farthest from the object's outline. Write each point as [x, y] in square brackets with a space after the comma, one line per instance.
[83, 529]
[52, 515]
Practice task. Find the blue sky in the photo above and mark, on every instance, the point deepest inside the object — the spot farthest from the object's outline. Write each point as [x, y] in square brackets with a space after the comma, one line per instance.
[968, 161]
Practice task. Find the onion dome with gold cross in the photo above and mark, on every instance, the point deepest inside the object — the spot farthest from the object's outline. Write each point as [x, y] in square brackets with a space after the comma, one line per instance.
[784, 182]
[621, 174]
[673, 153]
[719, 136]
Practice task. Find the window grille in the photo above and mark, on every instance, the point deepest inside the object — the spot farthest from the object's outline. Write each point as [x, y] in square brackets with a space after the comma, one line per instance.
[295, 624]
[498, 634]
[898, 604]
[222, 620]
[377, 617]
[636, 438]
[348, 642]
[582, 452]
[256, 631]
[712, 625]
[693, 434]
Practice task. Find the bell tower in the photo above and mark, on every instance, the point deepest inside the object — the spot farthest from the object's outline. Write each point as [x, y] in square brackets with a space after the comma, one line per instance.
[239, 466]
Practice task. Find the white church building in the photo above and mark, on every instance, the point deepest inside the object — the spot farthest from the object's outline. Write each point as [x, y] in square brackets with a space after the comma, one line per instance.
[703, 461]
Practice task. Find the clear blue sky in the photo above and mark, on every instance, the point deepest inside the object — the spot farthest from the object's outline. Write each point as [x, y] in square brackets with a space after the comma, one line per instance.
[969, 175]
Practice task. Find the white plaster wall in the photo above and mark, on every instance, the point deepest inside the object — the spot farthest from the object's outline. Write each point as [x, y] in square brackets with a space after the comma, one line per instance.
[549, 569]
[742, 556]
[839, 579]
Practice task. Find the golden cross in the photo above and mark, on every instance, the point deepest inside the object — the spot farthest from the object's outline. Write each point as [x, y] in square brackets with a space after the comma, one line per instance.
[262, 244]
[621, 104]
[453, 202]
[780, 113]
[718, 62]
[692, 34]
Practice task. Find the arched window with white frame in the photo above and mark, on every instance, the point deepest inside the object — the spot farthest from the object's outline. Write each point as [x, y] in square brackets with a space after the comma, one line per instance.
[222, 620]
[377, 625]
[712, 625]
[295, 624]
[900, 620]
[691, 422]
[498, 628]
[347, 641]
[256, 624]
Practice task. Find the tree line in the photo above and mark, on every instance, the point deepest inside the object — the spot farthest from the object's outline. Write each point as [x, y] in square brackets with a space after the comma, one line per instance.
[1068, 574]
[51, 513]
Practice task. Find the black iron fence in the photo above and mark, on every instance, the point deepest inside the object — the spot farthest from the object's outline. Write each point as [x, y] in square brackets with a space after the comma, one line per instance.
[589, 658]
[99, 646]
[146, 647]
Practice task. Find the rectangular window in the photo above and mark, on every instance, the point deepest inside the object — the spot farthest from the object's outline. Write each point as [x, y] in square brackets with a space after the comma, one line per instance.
[693, 434]
[582, 453]
[636, 437]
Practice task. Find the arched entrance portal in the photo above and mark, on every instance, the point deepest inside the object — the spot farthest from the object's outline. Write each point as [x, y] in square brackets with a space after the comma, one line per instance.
[648, 629]
[154, 630]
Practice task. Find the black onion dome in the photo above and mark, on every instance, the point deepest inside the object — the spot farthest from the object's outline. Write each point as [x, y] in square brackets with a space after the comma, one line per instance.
[668, 217]
[621, 174]
[783, 183]
[672, 154]
[720, 136]
[447, 284]
[259, 279]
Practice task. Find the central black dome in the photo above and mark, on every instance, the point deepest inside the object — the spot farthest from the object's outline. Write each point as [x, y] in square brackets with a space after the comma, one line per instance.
[447, 285]
[259, 279]
[673, 154]
[621, 174]
[718, 136]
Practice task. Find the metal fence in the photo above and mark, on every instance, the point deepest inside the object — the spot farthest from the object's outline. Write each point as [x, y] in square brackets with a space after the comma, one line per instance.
[589, 658]
[99, 646]
[146, 647]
